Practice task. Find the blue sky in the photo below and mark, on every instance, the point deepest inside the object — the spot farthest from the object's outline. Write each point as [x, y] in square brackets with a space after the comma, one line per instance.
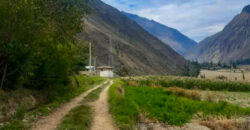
[197, 19]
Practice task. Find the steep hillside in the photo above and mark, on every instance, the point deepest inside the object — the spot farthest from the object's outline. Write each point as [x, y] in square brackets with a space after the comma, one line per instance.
[170, 36]
[134, 50]
[230, 45]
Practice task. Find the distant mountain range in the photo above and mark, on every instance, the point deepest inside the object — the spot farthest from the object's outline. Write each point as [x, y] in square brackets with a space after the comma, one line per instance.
[232, 44]
[120, 41]
[170, 36]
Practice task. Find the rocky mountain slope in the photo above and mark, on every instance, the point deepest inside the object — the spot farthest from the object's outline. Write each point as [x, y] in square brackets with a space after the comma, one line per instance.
[134, 50]
[230, 45]
[170, 36]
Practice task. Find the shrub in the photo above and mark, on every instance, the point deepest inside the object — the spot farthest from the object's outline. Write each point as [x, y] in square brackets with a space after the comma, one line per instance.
[192, 94]
[210, 97]
[221, 77]
[132, 83]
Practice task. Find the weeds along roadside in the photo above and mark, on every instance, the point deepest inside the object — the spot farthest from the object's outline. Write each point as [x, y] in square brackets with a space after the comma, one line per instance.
[80, 118]
[124, 111]
[26, 118]
[127, 103]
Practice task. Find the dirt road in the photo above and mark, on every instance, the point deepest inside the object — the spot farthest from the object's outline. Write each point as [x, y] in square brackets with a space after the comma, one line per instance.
[53, 120]
[102, 120]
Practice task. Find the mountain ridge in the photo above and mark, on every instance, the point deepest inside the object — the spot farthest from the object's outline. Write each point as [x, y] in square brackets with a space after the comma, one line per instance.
[170, 36]
[246, 9]
[232, 44]
[135, 51]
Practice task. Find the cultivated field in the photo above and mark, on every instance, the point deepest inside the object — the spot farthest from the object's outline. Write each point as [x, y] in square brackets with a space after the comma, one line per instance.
[237, 98]
[230, 74]
[178, 103]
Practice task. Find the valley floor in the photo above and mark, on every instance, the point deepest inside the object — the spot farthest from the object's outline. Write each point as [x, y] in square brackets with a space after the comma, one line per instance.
[154, 103]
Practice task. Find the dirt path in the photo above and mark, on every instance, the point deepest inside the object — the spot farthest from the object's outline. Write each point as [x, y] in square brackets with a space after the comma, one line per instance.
[53, 120]
[102, 119]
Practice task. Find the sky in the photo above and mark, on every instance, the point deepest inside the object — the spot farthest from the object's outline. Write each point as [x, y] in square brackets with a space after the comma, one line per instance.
[197, 19]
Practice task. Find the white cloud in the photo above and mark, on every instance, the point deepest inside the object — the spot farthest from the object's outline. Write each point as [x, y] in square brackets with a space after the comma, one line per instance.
[195, 18]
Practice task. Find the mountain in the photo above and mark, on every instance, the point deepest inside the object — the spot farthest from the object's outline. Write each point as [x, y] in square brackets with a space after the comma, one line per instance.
[133, 50]
[170, 36]
[232, 44]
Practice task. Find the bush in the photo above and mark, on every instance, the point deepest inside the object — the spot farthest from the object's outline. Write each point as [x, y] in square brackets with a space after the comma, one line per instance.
[221, 77]
[192, 94]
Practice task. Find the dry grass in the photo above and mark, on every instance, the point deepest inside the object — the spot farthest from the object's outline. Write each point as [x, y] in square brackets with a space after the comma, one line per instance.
[133, 83]
[227, 124]
[238, 98]
[210, 97]
[192, 94]
[226, 74]
[143, 118]
[221, 77]
[121, 90]
[155, 85]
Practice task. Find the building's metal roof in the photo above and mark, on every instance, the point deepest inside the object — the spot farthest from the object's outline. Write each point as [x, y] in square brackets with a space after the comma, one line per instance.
[104, 67]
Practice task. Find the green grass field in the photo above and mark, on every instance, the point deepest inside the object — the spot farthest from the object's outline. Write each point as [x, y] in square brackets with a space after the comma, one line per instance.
[168, 108]
[157, 103]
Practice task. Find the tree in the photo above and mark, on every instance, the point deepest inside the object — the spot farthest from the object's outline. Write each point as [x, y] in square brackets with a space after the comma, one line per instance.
[192, 69]
[37, 41]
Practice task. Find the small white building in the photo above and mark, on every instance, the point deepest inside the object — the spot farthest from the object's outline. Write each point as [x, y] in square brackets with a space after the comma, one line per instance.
[105, 71]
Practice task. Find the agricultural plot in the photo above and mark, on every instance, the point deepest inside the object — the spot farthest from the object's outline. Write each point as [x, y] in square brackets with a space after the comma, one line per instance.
[191, 83]
[233, 75]
[178, 101]
[237, 98]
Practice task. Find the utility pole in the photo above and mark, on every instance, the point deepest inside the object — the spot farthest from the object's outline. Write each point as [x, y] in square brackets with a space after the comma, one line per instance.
[95, 65]
[109, 62]
[90, 58]
[111, 53]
